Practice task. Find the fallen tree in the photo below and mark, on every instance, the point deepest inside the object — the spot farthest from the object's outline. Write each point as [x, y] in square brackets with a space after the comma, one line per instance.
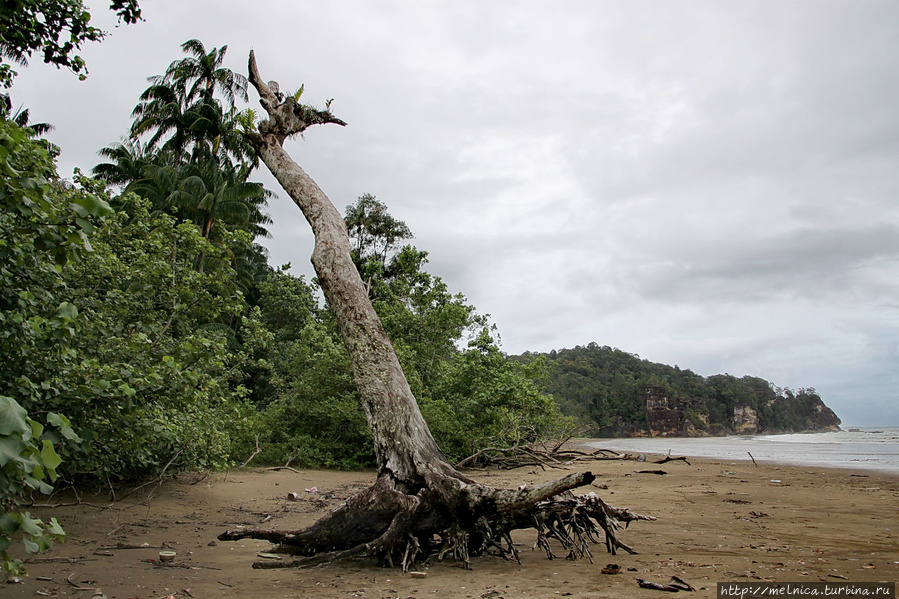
[419, 505]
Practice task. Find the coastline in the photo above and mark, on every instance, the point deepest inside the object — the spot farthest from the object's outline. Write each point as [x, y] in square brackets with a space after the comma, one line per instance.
[867, 450]
[718, 521]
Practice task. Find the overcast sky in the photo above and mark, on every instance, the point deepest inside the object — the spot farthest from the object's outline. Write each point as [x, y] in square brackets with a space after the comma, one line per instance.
[707, 184]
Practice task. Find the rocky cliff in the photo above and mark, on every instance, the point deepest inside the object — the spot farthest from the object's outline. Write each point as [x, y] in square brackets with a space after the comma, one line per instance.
[667, 417]
[662, 419]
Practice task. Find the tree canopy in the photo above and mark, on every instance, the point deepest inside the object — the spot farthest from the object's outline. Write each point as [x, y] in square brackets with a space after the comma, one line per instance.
[56, 29]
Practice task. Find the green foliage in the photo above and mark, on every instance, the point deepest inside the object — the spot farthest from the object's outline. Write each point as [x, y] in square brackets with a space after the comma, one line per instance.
[216, 197]
[316, 419]
[375, 233]
[184, 119]
[44, 231]
[607, 388]
[155, 380]
[188, 155]
[203, 72]
[28, 459]
[424, 320]
[55, 28]
[127, 161]
[308, 411]
[127, 339]
[484, 399]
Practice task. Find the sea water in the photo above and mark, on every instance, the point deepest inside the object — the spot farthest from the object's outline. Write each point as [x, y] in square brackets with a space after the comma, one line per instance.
[860, 449]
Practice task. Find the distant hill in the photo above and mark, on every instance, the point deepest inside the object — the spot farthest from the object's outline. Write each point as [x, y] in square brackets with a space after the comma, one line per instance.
[624, 395]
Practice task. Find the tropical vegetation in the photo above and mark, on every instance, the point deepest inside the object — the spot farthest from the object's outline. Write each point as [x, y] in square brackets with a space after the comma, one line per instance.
[145, 333]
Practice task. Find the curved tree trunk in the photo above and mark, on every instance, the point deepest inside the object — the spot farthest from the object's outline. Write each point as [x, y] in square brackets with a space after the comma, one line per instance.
[419, 501]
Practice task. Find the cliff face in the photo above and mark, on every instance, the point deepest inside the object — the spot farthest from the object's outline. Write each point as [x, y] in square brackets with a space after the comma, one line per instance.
[663, 420]
[824, 417]
[746, 420]
[672, 417]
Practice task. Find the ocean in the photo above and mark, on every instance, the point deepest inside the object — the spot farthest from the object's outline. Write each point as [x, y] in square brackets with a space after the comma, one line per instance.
[858, 449]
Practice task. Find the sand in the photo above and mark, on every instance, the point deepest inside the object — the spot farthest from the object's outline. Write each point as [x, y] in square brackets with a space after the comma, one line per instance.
[717, 522]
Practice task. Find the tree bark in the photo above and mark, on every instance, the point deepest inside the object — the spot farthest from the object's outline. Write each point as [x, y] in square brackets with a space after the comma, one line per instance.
[419, 501]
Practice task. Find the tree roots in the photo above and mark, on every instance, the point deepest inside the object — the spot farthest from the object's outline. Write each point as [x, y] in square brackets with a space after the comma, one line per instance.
[452, 518]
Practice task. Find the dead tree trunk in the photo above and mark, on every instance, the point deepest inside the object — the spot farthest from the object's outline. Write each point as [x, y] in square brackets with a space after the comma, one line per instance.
[419, 504]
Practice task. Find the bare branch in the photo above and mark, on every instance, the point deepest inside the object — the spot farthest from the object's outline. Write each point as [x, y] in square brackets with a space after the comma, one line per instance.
[509, 500]
[286, 116]
[265, 93]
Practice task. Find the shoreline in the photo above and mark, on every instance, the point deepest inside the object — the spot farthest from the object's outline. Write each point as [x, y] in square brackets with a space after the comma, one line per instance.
[717, 521]
[868, 454]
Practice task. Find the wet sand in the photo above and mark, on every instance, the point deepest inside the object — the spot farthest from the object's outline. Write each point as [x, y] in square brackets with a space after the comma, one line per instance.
[717, 522]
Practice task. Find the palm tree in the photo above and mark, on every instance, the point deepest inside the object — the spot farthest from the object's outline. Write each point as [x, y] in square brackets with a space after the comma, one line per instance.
[215, 133]
[184, 117]
[204, 73]
[213, 196]
[127, 161]
[162, 109]
[157, 184]
[195, 160]
[221, 195]
[22, 117]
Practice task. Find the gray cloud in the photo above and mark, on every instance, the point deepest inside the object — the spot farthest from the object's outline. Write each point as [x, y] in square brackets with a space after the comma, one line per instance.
[703, 183]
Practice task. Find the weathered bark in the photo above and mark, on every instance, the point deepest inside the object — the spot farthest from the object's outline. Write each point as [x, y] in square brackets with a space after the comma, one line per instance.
[404, 445]
[420, 504]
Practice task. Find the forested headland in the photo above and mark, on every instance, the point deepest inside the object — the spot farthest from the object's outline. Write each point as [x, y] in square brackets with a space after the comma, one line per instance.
[617, 393]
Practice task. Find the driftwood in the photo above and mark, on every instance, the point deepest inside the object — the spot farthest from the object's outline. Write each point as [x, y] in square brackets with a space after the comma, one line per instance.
[674, 585]
[668, 458]
[256, 452]
[277, 468]
[77, 586]
[419, 505]
[545, 454]
[548, 454]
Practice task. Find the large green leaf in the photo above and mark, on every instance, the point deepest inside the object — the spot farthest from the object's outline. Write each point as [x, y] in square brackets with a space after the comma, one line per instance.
[93, 205]
[67, 311]
[55, 529]
[13, 417]
[64, 426]
[50, 458]
[38, 485]
[30, 546]
[37, 429]
[11, 449]
[31, 526]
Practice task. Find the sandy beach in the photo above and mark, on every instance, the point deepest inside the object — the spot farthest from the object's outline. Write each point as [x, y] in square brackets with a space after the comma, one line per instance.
[717, 522]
